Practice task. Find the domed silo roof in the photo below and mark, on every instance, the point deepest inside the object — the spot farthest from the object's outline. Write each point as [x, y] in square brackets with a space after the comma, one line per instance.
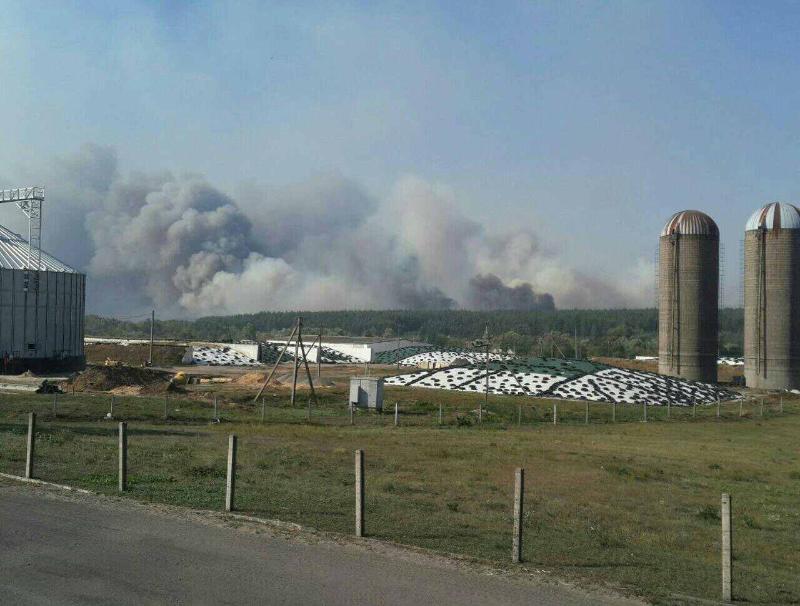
[776, 215]
[691, 223]
[14, 254]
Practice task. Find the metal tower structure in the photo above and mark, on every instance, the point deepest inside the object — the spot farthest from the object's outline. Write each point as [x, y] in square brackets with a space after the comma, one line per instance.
[29, 200]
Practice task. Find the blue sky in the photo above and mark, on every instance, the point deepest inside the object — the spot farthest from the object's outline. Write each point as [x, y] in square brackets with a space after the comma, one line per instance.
[589, 122]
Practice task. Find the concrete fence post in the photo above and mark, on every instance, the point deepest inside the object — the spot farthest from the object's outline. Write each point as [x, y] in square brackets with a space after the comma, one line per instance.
[31, 445]
[555, 413]
[230, 484]
[359, 493]
[587, 413]
[123, 456]
[726, 548]
[519, 490]
[396, 414]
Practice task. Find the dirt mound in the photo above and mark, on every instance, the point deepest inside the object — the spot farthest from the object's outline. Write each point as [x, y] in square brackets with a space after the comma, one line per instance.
[110, 378]
[135, 354]
[250, 378]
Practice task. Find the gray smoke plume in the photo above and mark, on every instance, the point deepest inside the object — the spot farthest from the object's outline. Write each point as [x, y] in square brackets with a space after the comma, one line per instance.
[176, 242]
[487, 292]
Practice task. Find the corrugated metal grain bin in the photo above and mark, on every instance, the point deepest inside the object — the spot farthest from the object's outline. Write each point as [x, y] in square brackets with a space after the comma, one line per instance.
[41, 311]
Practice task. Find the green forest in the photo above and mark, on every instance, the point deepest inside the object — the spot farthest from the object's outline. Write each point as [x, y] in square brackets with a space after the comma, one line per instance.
[606, 332]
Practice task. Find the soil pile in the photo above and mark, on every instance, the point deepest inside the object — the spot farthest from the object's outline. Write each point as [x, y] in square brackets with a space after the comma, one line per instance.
[127, 378]
[135, 354]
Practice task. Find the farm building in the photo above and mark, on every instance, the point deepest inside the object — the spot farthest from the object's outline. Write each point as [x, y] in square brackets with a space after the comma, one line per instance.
[42, 305]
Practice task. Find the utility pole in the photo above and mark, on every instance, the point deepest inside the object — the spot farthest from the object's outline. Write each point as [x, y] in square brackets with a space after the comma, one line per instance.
[296, 361]
[152, 323]
[397, 348]
[484, 343]
[576, 342]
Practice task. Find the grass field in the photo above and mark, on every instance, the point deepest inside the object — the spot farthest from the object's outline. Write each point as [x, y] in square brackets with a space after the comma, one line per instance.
[631, 505]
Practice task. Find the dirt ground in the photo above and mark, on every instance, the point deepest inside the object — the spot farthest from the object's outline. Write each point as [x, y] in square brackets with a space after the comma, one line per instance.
[134, 354]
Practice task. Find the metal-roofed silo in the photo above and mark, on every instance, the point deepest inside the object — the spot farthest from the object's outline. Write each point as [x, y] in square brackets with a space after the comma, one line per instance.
[41, 309]
[688, 296]
[772, 297]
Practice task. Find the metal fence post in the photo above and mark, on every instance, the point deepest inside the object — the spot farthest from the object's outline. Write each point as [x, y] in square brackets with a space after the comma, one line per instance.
[555, 413]
[31, 445]
[396, 414]
[230, 484]
[694, 410]
[123, 456]
[359, 493]
[519, 489]
[440, 413]
[781, 404]
[726, 548]
[111, 414]
[587, 413]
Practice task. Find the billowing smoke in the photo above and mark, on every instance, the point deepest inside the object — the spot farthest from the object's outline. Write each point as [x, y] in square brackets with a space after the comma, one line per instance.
[487, 292]
[178, 243]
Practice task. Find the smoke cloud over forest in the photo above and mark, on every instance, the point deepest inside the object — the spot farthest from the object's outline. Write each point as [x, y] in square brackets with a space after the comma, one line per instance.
[178, 243]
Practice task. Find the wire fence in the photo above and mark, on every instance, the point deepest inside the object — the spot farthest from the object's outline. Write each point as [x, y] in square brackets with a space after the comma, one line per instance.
[406, 412]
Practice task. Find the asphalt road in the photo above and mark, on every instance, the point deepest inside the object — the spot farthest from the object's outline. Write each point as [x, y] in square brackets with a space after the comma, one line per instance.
[56, 549]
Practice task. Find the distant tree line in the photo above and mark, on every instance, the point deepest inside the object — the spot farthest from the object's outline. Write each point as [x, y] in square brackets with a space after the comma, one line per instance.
[600, 332]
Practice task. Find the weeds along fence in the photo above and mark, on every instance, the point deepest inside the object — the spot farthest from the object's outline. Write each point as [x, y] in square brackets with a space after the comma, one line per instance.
[433, 496]
[505, 412]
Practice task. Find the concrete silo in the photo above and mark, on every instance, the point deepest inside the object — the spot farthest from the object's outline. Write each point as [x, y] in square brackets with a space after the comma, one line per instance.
[688, 296]
[772, 297]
